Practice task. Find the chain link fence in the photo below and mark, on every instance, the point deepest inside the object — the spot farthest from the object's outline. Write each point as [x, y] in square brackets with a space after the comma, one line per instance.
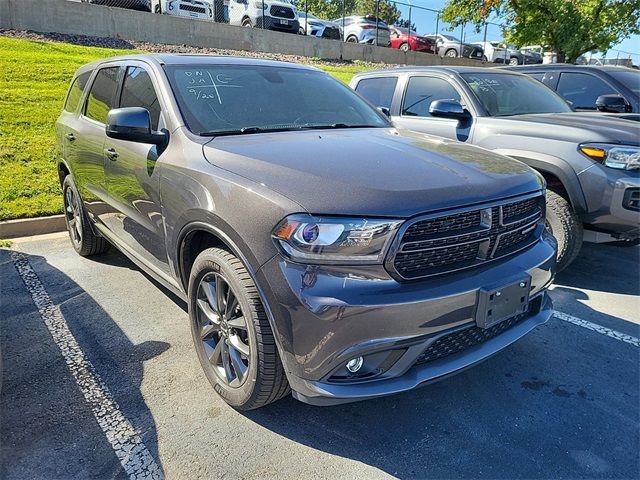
[415, 27]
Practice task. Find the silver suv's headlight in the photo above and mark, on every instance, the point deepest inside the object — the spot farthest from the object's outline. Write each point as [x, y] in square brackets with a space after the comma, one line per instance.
[339, 240]
[623, 157]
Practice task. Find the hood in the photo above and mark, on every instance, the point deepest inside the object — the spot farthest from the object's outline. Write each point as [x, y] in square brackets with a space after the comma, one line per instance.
[374, 171]
[575, 126]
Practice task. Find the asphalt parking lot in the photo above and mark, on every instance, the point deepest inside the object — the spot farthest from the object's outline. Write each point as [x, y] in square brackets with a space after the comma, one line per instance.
[563, 402]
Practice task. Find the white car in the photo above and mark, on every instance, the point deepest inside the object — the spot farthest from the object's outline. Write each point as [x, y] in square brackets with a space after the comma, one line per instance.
[316, 27]
[494, 51]
[269, 14]
[201, 9]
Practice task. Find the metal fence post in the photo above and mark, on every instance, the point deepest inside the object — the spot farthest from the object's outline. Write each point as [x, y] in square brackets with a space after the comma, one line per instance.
[461, 35]
[344, 9]
[409, 25]
[437, 22]
[306, 17]
[484, 42]
[377, 19]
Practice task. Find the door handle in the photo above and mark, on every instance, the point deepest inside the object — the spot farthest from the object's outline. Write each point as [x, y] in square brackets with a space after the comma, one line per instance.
[111, 153]
[70, 136]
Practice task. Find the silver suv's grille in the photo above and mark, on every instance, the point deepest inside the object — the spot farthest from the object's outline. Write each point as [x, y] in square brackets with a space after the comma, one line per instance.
[452, 241]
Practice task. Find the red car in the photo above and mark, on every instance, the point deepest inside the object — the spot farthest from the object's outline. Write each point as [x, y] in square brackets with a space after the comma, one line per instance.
[400, 38]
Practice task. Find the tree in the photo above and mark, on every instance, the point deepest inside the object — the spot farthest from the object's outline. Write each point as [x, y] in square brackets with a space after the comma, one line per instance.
[567, 27]
[402, 23]
[327, 9]
[387, 11]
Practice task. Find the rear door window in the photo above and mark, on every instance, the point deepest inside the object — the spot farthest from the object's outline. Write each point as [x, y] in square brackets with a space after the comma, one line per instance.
[102, 95]
[75, 92]
[138, 91]
[582, 89]
[378, 91]
[422, 91]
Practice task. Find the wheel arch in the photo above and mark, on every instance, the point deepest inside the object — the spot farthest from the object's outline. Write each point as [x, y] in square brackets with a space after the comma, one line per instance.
[211, 235]
[556, 172]
[63, 171]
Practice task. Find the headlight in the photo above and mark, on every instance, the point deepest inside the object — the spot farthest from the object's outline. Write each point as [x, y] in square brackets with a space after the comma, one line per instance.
[260, 5]
[623, 157]
[316, 239]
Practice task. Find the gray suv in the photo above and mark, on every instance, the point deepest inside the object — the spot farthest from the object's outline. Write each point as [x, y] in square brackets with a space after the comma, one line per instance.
[591, 162]
[374, 262]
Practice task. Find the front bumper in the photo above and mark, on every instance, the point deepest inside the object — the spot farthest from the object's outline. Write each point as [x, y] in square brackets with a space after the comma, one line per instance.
[324, 316]
[610, 195]
[273, 23]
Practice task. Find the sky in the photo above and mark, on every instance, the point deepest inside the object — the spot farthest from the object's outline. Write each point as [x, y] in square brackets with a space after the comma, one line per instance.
[425, 22]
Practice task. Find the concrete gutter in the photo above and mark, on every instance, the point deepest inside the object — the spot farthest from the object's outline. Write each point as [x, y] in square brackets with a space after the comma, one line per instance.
[26, 227]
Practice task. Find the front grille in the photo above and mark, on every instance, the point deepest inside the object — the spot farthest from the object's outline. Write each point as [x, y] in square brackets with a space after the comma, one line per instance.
[631, 199]
[281, 12]
[461, 340]
[331, 32]
[192, 8]
[441, 244]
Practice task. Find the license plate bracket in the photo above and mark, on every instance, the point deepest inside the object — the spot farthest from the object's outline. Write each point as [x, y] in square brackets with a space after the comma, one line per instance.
[498, 304]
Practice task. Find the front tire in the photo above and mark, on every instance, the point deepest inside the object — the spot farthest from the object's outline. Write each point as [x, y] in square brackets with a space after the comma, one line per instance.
[231, 332]
[513, 61]
[352, 39]
[247, 23]
[83, 239]
[565, 226]
[451, 53]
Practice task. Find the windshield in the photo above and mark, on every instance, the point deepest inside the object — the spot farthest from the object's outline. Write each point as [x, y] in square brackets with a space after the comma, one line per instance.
[451, 38]
[504, 94]
[240, 99]
[630, 79]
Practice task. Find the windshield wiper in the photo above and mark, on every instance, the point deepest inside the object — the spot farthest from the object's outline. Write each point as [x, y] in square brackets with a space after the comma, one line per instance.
[243, 131]
[250, 130]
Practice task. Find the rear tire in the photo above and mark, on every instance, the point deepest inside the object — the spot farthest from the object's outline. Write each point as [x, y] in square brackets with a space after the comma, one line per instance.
[247, 23]
[84, 241]
[565, 226]
[405, 47]
[246, 371]
[157, 9]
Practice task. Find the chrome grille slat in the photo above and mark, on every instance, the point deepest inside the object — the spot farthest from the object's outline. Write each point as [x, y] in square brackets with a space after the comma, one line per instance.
[437, 244]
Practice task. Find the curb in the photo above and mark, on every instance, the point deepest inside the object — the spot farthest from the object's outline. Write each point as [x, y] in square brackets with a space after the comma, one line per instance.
[26, 227]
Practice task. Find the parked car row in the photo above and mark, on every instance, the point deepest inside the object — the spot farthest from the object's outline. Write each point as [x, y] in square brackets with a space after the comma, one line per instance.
[393, 253]
[499, 52]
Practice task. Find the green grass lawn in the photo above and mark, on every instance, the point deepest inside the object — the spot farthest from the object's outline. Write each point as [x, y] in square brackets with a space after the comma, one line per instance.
[34, 76]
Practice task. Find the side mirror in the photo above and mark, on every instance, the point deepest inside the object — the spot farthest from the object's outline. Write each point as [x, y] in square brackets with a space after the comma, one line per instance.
[448, 109]
[385, 111]
[613, 104]
[134, 125]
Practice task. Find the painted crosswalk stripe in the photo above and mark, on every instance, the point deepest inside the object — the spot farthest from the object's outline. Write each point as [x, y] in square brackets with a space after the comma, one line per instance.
[623, 337]
[136, 460]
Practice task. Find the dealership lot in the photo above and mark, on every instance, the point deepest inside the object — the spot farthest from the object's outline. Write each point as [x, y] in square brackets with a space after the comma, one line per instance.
[561, 402]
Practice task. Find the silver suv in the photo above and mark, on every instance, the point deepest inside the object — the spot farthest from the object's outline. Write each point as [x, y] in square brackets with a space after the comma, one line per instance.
[363, 30]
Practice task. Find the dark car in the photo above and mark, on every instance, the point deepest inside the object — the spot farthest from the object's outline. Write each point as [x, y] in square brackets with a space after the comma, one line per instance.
[341, 273]
[592, 88]
[591, 162]
[450, 46]
[404, 40]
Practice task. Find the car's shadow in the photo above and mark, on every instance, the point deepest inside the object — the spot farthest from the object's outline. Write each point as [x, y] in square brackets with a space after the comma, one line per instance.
[606, 268]
[45, 414]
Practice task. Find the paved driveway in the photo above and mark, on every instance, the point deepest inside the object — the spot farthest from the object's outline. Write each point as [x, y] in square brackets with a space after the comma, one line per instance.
[103, 382]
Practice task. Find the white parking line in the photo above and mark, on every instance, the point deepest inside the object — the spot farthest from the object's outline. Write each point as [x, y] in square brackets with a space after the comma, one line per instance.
[125, 441]
[623, 337]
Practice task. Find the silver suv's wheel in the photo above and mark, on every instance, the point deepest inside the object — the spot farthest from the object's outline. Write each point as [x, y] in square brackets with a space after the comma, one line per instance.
[83, 239]
[565, 226]
[513, 61]
[451, 53]
[231, 332]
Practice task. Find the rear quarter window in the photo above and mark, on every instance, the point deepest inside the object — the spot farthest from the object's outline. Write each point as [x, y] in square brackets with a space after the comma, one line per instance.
[75, 92]
[101, 97]
[378, 91]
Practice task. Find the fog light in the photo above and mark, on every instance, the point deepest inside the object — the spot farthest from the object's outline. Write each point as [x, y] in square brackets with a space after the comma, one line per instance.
[354, 365]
